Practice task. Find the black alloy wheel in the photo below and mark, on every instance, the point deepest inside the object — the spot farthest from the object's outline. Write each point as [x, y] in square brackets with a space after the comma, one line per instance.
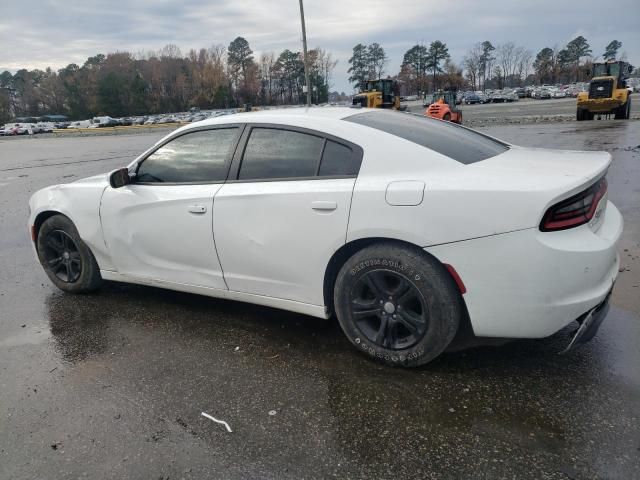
[62, 257]
[397, 304]
[389, 310]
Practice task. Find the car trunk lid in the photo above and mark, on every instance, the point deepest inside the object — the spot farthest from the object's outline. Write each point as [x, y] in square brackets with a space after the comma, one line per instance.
[524, 183]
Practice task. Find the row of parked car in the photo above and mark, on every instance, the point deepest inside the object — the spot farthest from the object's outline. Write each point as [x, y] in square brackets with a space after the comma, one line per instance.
[184, 117]
[488, 96]
[541, 92]
[105, 121]
[11, 129]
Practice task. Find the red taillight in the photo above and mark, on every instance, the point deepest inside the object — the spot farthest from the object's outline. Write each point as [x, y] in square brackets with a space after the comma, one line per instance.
[574, 211]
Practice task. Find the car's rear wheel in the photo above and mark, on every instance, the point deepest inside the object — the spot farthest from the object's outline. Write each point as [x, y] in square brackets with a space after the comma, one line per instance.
[66, 259]
[397, 304]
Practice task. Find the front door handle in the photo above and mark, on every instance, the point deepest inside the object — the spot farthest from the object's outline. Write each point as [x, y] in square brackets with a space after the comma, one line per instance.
[324, 206]
[199, 209]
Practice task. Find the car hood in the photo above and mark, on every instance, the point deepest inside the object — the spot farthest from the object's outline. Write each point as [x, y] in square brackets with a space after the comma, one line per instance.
[101, 179]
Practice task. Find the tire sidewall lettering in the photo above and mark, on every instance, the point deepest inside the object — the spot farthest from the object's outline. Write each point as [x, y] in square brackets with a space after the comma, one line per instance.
[400, 358]
[405, 269]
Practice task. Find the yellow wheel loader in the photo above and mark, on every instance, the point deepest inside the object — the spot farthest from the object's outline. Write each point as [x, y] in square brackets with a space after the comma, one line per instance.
[380, 93]
[607, 93]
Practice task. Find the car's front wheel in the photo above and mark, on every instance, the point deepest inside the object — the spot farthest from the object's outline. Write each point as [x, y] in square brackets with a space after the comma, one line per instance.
[397, 304]
[66, 259]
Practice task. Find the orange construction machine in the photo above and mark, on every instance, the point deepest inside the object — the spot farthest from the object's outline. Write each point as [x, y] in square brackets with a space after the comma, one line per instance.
[443, 107]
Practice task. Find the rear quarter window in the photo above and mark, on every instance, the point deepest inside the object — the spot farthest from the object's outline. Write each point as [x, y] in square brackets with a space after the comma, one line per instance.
[456, 142]
[338, 160]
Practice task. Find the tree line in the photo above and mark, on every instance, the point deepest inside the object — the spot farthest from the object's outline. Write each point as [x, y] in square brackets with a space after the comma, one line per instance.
[428, 68]
[422, 67]
[124, 84]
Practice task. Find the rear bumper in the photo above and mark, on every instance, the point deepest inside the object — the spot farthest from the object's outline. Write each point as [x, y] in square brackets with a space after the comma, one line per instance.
[589, 324]
[530, 284]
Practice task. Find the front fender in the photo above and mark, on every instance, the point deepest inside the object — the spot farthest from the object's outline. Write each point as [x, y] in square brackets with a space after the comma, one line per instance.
[80, 202]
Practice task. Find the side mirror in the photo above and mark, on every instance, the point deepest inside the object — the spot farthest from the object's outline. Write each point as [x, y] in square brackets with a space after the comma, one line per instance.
[119, 178]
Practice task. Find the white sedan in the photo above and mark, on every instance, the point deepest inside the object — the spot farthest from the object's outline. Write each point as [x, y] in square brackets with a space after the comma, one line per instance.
[404, 227]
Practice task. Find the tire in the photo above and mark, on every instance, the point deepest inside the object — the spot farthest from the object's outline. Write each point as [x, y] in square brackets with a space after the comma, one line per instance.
[628, 114]
[580, 115]
[623, 111]
[397, 304]
[446, 117]
[66, 259]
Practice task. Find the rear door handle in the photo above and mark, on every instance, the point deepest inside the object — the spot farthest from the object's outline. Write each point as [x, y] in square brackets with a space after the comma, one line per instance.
[324, 205]
[197, 209]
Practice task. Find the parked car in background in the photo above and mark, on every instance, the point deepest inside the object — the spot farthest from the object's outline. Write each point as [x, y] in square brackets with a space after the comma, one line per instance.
[21, 129]
[510, 95]
[483, 97]
[471, 98]
[101, 122]
[44, 127]
[7, 130]
[80, 124]
[544, 94]
[520, 92]
[498, 97]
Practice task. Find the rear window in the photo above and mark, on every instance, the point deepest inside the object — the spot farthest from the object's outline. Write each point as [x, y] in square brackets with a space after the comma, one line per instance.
[458, 143]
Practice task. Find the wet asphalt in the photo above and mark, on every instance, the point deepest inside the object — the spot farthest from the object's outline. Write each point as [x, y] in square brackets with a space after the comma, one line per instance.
[112, 384]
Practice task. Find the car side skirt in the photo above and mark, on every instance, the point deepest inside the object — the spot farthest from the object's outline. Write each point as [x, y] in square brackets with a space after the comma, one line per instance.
[290, 305]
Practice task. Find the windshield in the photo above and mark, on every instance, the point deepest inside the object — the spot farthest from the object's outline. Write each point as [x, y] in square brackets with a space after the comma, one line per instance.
[614, 69]
[606, 69]
[456, 142]
[373, 86]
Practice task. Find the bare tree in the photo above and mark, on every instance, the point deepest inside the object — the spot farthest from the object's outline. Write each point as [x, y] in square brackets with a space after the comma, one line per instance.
[471, 64]
[377, 58]
[523, 62]
[506, 55]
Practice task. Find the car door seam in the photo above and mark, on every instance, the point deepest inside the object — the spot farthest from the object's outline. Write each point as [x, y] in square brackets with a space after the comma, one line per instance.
[104, 238]
[353, 189]
[213, 234]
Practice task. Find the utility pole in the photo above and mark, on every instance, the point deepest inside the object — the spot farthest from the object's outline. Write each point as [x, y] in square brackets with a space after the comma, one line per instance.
[307, 81]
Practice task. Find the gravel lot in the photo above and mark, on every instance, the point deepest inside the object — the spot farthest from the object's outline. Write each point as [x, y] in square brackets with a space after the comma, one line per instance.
[111, 385]
[523, 111]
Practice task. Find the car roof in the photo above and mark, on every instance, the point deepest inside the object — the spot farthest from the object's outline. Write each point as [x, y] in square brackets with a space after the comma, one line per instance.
[292, 116]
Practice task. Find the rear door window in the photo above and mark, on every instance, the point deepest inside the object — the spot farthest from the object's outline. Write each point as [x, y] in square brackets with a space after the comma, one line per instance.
[274, 153]
[456, 142]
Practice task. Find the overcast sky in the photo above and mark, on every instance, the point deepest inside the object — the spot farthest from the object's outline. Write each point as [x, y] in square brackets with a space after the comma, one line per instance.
[41, 33]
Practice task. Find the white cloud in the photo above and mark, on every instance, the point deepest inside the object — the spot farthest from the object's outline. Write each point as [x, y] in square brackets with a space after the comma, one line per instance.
[56, 32]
